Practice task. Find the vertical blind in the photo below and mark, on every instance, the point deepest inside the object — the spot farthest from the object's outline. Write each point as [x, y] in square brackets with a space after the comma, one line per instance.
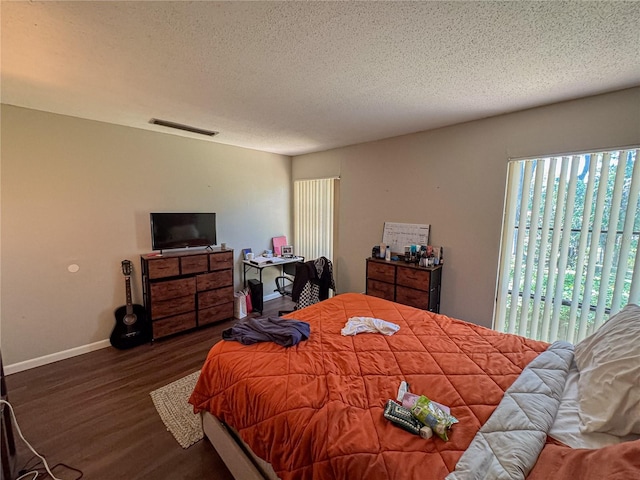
[568, 257]
[313, 212]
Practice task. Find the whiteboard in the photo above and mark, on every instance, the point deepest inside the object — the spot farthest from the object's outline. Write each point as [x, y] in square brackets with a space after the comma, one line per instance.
[397, 235]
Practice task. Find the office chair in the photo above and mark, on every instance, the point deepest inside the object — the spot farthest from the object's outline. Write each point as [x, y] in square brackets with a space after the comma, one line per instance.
[312, 282]
[284, 282]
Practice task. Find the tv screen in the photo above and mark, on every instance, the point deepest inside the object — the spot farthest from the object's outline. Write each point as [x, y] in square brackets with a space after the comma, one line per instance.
[182, 230]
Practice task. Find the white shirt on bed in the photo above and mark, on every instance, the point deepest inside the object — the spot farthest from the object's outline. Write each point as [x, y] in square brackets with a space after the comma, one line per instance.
[357, 325]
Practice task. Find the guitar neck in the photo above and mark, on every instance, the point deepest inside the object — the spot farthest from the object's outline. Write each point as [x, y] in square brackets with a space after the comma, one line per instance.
[129, 302]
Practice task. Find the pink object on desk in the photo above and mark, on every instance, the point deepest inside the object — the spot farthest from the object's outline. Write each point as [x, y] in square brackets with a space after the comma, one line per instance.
[278, 243]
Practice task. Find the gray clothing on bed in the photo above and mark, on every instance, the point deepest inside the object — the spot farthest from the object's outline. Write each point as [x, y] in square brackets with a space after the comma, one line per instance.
[268, 329]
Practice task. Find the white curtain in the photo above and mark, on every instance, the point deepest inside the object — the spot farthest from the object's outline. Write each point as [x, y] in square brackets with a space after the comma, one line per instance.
[314, 222]
[568, 257]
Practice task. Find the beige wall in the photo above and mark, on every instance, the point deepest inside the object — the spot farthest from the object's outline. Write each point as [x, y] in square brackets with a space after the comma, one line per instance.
[454, 179]
[79, 192]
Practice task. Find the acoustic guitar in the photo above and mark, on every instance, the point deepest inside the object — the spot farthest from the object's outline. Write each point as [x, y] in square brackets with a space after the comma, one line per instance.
[132, 328]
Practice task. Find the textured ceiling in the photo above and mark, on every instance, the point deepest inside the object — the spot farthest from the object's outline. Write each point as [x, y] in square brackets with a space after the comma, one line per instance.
[298, 77]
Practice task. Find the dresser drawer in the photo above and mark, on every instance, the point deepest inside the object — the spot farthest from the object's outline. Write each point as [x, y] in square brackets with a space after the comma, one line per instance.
[194, 264]
[414, 278]
[175, 324]
[212, 298]
[381, 271]
[164, 267]
[405, 283]
[412, 297]
[215, 314]
[208, 281]
[165, 308]
[381, 289]
[220, 261]
[173, 289]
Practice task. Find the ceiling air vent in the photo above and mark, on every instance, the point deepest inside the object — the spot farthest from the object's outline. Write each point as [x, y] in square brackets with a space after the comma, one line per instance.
[186, 128]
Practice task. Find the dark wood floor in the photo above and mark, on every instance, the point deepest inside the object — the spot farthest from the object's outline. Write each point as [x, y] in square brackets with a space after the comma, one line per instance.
[94, 412]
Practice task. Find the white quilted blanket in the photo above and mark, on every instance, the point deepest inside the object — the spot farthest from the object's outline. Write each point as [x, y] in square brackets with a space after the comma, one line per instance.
[508, 444]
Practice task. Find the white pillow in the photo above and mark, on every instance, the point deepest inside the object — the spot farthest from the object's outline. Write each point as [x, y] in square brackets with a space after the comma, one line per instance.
[609, 383]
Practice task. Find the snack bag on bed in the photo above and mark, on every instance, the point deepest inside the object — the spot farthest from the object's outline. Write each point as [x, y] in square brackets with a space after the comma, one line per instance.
[400, 416]
[433, 416]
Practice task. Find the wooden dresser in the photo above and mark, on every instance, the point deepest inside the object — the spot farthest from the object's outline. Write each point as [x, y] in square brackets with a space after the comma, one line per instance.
[405, 283]
[183, 291]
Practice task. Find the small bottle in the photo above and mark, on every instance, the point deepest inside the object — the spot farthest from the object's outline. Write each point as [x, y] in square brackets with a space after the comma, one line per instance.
[387, 254]
[426, 432]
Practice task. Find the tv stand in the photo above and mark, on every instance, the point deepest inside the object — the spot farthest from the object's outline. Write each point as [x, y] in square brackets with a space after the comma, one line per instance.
[187, 290]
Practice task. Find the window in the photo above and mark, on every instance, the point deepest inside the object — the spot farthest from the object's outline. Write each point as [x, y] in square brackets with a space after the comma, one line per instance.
[313, 217]
[568, 256]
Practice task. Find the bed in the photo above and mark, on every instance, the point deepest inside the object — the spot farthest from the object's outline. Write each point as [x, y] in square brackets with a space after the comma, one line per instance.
[315, 410]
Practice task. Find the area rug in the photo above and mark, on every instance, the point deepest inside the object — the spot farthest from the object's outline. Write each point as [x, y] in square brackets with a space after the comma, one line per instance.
[171, 402]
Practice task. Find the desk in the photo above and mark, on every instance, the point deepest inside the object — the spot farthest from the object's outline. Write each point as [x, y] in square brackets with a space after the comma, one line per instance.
[277, 262]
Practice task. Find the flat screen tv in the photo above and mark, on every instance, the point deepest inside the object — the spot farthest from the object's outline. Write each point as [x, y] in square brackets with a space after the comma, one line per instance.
[182, 230]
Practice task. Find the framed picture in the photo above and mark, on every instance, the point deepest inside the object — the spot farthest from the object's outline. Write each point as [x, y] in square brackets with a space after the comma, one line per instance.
[245, 253]
[278, 243]
[287, 250]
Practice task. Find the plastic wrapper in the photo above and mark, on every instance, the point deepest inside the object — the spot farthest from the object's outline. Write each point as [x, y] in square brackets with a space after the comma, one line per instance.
[402, 390]
[409, 400]
[431, 415]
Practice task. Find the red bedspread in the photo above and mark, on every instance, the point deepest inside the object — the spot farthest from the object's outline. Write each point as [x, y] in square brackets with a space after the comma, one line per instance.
[315, 410]
[615, 462]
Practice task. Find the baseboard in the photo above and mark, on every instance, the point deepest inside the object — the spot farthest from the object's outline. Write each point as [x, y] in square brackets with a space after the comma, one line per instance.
[271, 296]
[55, 357]
[74, 352]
